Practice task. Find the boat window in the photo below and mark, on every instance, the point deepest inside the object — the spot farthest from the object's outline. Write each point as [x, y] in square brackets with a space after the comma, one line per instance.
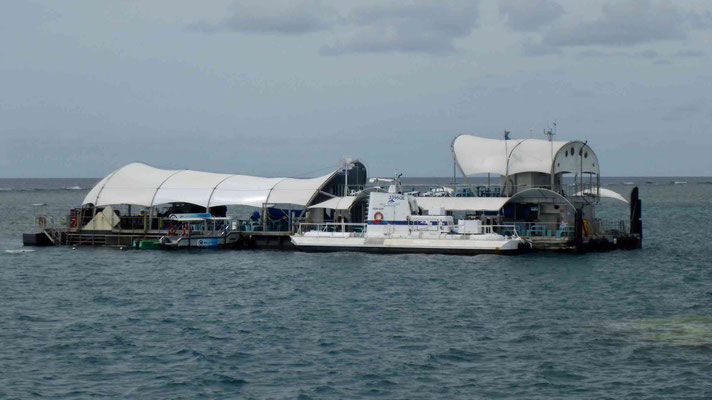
[572, 150]
[567, 153]
[585, 155]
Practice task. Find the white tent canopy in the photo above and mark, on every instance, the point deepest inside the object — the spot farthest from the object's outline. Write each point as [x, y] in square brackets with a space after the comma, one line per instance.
[477, 155]
[337, 203]
[540, 195]
[604, 193]
[462, 203]
[143, 185]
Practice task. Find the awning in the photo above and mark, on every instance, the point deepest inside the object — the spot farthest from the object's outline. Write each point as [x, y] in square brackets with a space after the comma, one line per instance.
[540, 195]
[462, 203]
[143, 185]
[337, 203]
[604, 193]
[478, 155]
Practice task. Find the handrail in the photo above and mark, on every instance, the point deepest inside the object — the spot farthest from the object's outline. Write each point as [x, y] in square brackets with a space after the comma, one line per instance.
[510, 229]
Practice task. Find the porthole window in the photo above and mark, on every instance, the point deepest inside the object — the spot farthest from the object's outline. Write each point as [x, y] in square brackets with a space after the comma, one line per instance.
[573, 150]
[567, 153]
[585, 155]
[558, 164]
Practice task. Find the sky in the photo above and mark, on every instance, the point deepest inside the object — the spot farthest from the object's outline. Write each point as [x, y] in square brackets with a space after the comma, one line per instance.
[288, 88]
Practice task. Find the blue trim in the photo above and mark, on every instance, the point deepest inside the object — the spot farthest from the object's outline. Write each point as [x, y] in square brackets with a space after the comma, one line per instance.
[425, 223]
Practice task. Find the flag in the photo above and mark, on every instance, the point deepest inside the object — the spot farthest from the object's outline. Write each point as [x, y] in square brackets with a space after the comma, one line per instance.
[506, 135]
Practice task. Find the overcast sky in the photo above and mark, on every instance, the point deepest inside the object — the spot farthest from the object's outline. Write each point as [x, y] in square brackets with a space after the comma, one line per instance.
[279, 88]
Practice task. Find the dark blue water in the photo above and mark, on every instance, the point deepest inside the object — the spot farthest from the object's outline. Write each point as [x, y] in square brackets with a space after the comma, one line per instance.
[264, 324]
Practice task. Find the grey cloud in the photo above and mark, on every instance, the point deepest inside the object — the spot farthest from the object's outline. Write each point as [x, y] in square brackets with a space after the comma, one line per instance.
[529, 15]
[700, 21]
[645, 54]
[412, 26]
[690, 54]
[685, 111]
[649, 54]
[597, 54]
[625, 23]
[535, 49]
[285, 17]
[582, 93]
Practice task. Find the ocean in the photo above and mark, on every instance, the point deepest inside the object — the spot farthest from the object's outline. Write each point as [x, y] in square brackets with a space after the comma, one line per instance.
[271, 324]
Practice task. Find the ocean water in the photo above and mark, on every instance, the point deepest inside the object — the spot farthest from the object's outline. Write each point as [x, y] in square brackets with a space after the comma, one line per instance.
[268, 324]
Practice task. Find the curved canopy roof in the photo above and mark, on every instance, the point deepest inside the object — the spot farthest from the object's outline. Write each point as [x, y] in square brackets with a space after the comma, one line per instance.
[143, 185]
[603, 193]
[462, 203]
[540, 195]
[477, 155]
[337, 203]
[492, 203]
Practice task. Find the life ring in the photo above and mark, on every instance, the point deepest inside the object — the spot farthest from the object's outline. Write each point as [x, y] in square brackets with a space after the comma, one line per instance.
[378, 217]
[73, 222]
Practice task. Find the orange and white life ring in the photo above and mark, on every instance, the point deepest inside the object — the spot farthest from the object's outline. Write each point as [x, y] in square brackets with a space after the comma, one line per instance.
[378, 217]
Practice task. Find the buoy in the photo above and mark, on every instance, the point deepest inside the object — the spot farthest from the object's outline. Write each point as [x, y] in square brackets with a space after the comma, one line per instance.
[74, 248]
[378, 217]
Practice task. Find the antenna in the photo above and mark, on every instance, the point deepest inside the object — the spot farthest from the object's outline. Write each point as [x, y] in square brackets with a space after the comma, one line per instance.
[550, 133]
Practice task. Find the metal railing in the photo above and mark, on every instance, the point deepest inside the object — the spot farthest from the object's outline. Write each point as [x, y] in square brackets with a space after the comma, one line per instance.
[545, 229]
[559, 230]
[611, 227]
[359, 229]
[50, 225]
[332, 227]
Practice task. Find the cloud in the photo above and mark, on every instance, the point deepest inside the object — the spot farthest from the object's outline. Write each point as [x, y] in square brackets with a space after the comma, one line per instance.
[651, 55]
[648, 54]
[624, 23]
[597, 54]
[529, 15]
[583, 93]
[690, 54]
[531, 48]
[409, 26]
[281, 17]
[700, 21]
[685, 111]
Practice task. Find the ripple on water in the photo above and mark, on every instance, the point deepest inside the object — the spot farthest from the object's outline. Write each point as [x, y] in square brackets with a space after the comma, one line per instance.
[265, 324]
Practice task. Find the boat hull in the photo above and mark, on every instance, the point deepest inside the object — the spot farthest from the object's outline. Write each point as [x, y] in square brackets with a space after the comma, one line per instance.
[393, 245]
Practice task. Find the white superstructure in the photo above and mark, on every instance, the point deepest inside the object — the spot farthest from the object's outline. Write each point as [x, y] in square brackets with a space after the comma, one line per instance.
[394, 224]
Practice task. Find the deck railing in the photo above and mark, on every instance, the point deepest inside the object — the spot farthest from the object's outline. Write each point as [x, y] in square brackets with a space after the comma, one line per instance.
[559, 230]
[359, 229]
[331, 227]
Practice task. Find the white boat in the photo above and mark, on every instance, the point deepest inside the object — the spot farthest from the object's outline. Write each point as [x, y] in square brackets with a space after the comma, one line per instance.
[395, 226]
[198, 230]
[442, 191]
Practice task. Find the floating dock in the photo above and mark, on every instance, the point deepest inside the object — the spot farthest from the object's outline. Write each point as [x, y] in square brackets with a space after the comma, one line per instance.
[547, 194]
